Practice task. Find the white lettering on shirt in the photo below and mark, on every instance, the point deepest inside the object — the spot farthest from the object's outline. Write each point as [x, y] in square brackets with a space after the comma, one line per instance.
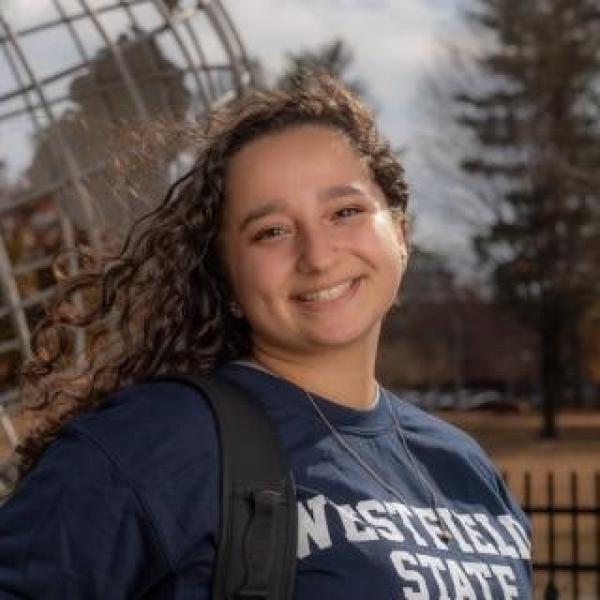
[479, 542]
[436, 565]
[481, 572]
[405, 513]
[312, 526]
[399, 558]
[518, 534]
[504, 548]
[430, 523]
[385, 527]
[356, 530]
[506, 578]
[463, 590]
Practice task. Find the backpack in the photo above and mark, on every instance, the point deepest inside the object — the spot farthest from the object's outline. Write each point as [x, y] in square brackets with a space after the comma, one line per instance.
[256, 553]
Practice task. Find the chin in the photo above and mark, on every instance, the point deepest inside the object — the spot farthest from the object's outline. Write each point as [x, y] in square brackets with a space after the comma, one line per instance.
[325, 335]
[341, 337]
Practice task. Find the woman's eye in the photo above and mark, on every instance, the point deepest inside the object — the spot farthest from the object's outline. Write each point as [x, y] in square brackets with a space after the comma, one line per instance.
[348, 211]
[269, 233]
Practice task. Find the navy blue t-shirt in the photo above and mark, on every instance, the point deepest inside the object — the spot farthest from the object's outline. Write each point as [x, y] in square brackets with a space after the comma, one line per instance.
[125, 503]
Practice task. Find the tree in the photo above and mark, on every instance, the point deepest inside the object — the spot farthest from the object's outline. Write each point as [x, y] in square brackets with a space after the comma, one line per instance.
[535, 120]
[334, 57]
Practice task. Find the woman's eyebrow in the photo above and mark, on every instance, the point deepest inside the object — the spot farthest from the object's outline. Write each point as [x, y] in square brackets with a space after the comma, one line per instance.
[264, 210]
[339, 191]
[276, 206]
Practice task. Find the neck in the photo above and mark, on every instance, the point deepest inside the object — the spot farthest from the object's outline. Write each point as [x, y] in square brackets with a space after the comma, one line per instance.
[347, 379]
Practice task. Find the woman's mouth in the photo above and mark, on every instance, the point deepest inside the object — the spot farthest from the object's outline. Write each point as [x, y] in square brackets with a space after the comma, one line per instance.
[328, 294]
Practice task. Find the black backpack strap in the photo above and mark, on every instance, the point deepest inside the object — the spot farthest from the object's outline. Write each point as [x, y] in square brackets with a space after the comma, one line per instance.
[256, 555]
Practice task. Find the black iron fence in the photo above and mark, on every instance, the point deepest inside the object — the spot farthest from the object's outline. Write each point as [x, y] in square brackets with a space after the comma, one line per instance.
[565, 515]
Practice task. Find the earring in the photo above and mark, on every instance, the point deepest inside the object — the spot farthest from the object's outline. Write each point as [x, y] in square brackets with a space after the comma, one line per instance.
[235, 309]
[404, 261]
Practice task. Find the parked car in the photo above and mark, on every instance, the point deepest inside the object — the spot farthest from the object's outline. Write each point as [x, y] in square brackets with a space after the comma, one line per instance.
[434, 399]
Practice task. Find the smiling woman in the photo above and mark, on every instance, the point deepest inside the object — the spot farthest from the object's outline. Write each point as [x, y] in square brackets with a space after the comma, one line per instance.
[271, 265]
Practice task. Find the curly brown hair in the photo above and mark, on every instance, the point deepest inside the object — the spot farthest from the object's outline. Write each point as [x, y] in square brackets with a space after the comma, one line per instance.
[162, 303]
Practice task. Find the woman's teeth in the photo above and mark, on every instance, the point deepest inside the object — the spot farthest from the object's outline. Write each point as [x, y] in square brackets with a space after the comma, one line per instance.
[328, 294]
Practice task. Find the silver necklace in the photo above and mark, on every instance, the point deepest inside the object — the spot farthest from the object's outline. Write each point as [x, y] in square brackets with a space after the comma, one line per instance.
[444, 534]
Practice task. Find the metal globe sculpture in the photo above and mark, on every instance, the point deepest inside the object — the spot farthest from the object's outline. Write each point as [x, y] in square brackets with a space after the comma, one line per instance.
[76, 78]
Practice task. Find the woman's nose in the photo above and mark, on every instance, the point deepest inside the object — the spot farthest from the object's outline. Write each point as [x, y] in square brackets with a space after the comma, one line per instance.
[317, 250]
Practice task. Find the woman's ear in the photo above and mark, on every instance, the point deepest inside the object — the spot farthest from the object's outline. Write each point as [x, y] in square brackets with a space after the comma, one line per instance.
[402, 232]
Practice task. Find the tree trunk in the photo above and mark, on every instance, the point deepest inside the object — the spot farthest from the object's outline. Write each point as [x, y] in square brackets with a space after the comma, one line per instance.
[576, 373]
[552, 375]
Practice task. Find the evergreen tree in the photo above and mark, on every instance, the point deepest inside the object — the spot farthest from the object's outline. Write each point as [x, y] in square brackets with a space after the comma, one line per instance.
[334, 57]
[535, 119]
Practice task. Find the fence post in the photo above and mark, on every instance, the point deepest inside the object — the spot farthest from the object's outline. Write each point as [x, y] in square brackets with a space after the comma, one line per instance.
[597, 502]
[551, 592]
[574, 535]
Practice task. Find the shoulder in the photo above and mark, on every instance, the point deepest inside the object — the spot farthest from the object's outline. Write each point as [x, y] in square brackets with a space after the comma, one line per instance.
[140, 473]
[441, 436]
[455, 452]
[417, 418]
[149, 430]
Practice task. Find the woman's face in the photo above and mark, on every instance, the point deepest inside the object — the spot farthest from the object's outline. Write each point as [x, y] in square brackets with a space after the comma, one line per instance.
[313, 254]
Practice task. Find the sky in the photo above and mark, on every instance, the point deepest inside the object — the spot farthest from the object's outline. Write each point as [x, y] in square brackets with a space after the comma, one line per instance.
[395, 43]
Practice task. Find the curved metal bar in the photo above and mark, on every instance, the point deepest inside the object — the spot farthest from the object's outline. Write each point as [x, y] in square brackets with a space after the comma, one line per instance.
[31, 300]
[143, 39]
[166, 15]
[66, 226]
[147, 38]
[126, 75]
[68, 23]
[211, 90]
[204, 69]
[52, 23]
[50, 79]
[11, 293]
[32, 265]
[204, 66]
[8, 397]
[235, 34]
[8, 345]
[29, 107]
[62, 146]
[65, 20]
[238, 75]
[9, 429]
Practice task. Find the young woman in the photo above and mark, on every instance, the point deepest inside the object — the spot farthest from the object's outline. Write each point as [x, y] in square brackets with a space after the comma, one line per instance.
[272, 264]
